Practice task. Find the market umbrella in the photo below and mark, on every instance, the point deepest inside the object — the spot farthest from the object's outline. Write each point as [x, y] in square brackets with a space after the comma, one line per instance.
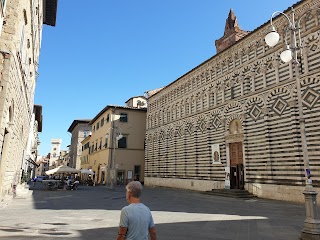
[62, 169]
[86, 171]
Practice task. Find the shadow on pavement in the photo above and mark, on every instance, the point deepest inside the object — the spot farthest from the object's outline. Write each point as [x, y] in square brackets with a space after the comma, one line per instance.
[163, 199]
[180, 231]
[179, 214]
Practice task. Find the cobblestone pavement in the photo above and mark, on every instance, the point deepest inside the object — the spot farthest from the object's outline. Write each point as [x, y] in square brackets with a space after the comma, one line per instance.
[93, 213]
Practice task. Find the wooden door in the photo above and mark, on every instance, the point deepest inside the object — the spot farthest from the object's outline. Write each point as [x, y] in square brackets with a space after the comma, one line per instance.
[120, 178]
[236, 166]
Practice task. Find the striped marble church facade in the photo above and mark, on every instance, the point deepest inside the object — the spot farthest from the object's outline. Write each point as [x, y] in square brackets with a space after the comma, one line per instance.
[233, 121]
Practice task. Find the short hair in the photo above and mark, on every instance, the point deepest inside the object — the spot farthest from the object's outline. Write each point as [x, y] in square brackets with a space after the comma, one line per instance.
[135, 187]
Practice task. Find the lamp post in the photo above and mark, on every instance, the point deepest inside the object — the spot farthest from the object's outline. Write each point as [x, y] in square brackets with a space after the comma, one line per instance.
[311, 228]
[113, 139]
[117, 138]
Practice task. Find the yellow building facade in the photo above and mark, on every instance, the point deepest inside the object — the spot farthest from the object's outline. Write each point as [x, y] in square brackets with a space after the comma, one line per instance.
[115, 149]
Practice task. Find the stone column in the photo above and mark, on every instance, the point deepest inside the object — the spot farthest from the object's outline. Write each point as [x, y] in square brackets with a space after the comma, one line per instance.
[264, 71]
[222, 92]
[253, 74]
[215, 96]
[305, 59]
[276, 68]
[241, 81]
[311, 230]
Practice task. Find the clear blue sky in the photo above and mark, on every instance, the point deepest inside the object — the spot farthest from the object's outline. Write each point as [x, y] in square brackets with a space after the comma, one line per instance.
[106, 51]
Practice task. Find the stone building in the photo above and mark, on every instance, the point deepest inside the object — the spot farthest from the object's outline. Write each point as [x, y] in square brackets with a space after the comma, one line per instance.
[29, 163]
[55, 153]
[79, 130]
[232, 121]
[20, 41]
[43, 163]
[63, 158]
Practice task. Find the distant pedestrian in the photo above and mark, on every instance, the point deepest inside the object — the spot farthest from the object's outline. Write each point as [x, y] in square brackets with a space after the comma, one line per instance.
[34, 181]
[136, 221]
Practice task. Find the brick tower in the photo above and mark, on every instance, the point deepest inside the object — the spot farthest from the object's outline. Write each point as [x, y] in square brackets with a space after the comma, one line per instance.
[232, 33]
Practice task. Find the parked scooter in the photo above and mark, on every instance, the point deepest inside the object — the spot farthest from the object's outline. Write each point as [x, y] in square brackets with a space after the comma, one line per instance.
[50, 186]
[73, 185]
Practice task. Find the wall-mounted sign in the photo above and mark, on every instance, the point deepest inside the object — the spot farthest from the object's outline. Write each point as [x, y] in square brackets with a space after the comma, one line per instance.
[129, 174]
[227, 178]
[215, 149]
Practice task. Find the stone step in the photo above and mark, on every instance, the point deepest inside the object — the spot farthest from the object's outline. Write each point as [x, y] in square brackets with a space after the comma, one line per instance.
[234, 193]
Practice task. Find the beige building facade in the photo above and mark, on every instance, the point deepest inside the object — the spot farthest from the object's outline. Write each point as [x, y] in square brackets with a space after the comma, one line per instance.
[85, 146]
[232, 121]
[79, 130]
[115, 150]
[20, 40]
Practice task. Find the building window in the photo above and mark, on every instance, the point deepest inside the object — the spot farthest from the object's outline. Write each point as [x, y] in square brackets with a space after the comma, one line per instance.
[137, 172]
[123, 117]
[85, 134]
[232, 92]
[24, 16]
[102, 122]
[97, 125]
[106, 142]
[22, 40]
[107, 118]
[122, 143]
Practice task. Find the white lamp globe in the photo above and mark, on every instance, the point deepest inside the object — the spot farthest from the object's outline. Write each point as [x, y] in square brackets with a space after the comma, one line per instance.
[119, 137]
[272, 38]
[286, 55]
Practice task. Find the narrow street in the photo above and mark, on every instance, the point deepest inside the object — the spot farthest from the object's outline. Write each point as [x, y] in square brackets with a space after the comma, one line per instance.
[93, 213]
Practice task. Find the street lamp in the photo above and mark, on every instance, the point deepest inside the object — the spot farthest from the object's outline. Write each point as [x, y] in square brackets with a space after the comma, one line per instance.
[311, 228]
[112, 167]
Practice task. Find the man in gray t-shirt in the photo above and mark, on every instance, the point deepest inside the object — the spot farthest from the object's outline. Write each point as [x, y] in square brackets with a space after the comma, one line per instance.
[136, 222]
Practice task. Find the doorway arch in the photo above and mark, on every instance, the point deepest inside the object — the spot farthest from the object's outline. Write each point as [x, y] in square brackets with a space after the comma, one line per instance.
[235, 154]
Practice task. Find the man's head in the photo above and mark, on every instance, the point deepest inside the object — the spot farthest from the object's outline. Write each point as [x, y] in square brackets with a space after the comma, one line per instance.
[134, 190]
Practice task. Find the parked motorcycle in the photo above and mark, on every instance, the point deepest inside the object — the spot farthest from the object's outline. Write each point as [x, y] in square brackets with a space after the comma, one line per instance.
[73, 185]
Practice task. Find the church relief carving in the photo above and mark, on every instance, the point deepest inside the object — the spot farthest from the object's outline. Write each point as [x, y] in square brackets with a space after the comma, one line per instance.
[234, 130]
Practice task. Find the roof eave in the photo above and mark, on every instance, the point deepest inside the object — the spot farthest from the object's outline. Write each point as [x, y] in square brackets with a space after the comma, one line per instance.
[50, 12]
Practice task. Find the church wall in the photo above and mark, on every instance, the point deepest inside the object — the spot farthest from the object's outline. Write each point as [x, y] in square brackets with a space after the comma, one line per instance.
[248, 83]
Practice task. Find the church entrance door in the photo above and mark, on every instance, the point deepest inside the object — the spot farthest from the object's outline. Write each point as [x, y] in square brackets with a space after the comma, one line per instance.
[236, 166]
